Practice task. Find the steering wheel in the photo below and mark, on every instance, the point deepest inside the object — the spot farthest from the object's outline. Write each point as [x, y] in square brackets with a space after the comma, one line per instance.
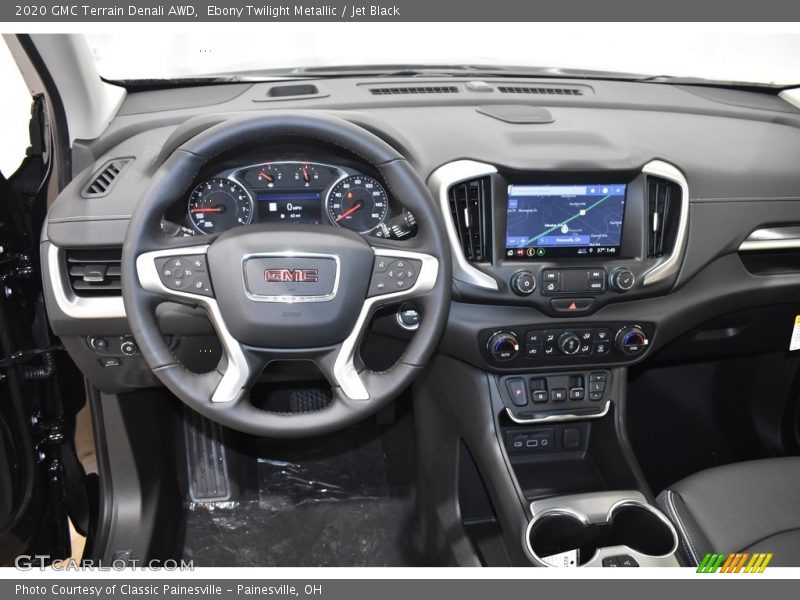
[285, 292]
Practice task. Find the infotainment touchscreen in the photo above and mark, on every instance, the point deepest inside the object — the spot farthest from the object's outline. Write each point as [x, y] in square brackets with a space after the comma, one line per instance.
[564, 220]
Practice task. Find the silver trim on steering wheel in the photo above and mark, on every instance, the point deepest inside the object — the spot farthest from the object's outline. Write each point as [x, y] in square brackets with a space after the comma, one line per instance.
[344, 370]
[237, 373]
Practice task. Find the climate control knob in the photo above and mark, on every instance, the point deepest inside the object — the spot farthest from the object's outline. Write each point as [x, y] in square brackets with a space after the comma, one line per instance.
[503, 346]
[631, 340]
[569, 343]
[523, 283]
[622, 279]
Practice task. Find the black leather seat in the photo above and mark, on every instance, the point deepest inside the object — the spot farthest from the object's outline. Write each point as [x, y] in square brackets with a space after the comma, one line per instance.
[744, 507]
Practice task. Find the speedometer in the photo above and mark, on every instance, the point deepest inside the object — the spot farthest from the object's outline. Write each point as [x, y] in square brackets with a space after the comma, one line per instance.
[358, 203]
[218, 204]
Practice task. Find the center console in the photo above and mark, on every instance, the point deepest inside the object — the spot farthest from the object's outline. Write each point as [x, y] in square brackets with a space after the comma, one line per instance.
[528, 392]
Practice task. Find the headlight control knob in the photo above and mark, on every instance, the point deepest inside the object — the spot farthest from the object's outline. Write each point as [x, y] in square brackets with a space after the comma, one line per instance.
[503, 346]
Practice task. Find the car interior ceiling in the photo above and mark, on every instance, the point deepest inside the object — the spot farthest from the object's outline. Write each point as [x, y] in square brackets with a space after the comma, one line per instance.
[357, 327]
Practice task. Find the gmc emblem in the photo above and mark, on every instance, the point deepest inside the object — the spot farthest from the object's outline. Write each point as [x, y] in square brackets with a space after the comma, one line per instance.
[298, 275]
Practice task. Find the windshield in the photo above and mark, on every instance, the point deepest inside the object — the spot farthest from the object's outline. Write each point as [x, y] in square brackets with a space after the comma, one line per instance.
[733, 54]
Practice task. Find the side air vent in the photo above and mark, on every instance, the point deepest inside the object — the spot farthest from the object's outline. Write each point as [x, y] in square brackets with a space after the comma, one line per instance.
[542, 91]
[104, 179]
[94, 273]
[405, 90]
[664, 214]
[470, 208]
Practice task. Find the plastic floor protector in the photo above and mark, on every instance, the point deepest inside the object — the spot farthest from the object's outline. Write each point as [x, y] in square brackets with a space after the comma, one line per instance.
[346, 499]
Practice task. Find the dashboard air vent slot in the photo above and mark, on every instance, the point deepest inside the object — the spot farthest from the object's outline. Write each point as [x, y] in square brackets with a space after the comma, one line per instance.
[470, 208]
[94, 273]
[539, 90]
[664, 215]
[104, 179]
[416, 89]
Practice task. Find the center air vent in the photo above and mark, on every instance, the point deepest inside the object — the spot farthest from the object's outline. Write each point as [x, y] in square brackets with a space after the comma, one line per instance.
[664, 213]
[94, 273]
[102, 182]
[404, 90]
[542, 91]
[470, 208]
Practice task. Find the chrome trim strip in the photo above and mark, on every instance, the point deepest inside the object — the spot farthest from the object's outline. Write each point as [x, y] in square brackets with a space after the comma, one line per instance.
[772, 238]
[237, 372]
[442, 179]
[292, 299]
[74, 306]
[653, 510]
[561, 512]
[560, 418]
[584, 519]
[669, 266]
[344, 371]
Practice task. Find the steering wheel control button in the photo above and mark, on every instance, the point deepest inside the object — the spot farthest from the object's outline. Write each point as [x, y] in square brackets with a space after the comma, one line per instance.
[523, 283]
[631, 340]
[128, 348]
[518, 391]
[185, 273]
[503, 346]
[622, 279]
[573, 306]
[397, 275]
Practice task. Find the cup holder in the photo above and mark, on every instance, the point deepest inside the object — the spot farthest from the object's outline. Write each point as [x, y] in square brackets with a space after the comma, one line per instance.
[631, 523]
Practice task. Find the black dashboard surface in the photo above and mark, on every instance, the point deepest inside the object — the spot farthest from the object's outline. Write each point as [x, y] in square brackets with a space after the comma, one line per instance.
[739, 152]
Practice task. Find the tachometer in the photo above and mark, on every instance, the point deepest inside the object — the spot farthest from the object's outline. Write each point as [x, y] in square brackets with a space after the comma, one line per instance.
[358, 203]
[218, 204]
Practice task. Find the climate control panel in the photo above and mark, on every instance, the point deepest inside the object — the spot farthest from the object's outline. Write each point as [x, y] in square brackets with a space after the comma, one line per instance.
[568, 344]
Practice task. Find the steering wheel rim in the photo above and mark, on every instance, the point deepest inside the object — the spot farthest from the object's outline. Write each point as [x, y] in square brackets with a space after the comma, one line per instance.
[223, 395]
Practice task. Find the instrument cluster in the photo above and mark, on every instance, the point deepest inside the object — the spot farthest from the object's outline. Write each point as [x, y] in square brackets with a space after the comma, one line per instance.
[288, 192]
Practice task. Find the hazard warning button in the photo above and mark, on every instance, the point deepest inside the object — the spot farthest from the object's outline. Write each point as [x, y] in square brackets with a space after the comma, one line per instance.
[574, 306]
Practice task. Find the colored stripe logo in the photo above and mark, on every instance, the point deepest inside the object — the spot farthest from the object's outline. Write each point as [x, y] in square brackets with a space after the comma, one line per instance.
[739, 562]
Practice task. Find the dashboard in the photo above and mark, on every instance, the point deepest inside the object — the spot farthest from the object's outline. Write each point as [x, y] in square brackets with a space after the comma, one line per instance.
[288, 191]
[623, 227]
